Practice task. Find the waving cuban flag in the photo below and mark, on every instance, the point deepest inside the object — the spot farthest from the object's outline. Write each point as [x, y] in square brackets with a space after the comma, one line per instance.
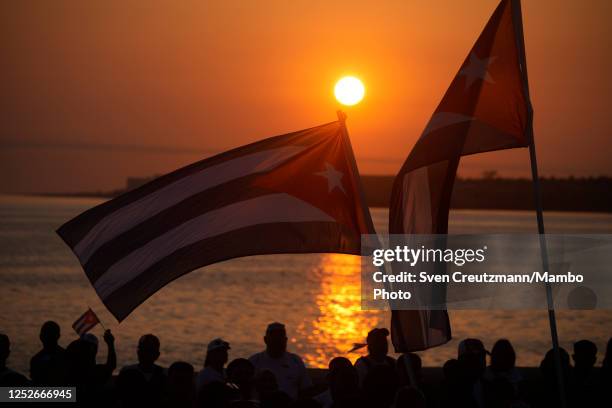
[485, 108]
[294, 193]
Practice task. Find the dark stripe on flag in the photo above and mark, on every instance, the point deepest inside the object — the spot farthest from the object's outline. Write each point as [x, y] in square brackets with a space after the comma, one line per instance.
[115, 249]
[278, 238]
[472, 137]
[217, 197]
[75, 230]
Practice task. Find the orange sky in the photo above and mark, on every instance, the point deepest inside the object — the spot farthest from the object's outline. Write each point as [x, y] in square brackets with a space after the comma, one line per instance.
[214, 75]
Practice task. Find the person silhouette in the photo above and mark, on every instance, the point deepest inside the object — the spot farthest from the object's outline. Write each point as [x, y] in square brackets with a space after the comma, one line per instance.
[215, 360]
[607, 361]
[82, 371]
[503, 364]
[378, 348]
[48, 366]
[605, 385]
[380, 385]
[102, 372]
[80, 363]
[288, 368]
[473, 356]
[8, 377]
[343, 383]
[549, 392]
[142, 384]
[457, 389]
[586, 381]
[180, 388]
[585, 356]
[240, 380]
[409, 368]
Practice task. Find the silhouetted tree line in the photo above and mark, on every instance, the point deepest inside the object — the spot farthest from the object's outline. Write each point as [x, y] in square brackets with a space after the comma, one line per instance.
[592, 194]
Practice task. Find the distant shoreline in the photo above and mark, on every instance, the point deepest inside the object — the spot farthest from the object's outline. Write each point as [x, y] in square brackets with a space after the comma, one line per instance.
[589, 194]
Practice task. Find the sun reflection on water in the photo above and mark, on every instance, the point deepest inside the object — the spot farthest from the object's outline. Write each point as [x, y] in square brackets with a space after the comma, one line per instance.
[340, 321]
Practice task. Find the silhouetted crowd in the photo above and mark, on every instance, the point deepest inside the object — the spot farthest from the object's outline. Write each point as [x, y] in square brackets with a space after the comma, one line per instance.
[276, 378]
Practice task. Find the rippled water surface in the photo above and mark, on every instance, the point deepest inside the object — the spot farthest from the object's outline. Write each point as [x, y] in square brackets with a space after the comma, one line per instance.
[316, 296]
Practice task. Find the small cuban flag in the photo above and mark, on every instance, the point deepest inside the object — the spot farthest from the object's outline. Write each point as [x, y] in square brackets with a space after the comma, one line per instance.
[86, 322]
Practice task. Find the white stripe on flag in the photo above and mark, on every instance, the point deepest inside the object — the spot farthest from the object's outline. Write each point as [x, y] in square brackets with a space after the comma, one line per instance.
[134, 213]
[417, 202]
[441, 120]
[84, 328]
[79, 325]
[268, 209]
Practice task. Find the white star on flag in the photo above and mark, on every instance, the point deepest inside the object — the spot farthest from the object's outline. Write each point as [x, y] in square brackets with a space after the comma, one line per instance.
[476, 68]
[333, 176]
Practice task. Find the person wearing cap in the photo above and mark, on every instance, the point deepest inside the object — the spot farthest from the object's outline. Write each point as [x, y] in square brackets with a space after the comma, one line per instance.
[378, 348]
[215, 360]
[288, 368]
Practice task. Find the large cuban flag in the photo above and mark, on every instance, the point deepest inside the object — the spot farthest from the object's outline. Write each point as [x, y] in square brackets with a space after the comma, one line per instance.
[485, 108]
[294, 193]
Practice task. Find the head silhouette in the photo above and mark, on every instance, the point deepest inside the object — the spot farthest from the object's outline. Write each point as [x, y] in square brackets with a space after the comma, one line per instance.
[5, 349]
[503, 357]
[49, 334]
[416, 365]
[585, 354]
[548, 367]
[240, 372]
[148, 350]
[343, 379]
[265, 383]
[217, 354]
[452, 371]
[338, 362]
[180, 387]
[472, 354]
[378, 347]
[79, 361]
[276, 339]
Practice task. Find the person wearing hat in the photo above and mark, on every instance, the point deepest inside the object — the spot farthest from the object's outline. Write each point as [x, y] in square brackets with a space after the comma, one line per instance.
[378, 348]
[215, 360]
[288, 368]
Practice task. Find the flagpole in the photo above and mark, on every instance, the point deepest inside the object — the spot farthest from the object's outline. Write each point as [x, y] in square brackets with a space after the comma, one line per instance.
[349, 153]
[537, 194]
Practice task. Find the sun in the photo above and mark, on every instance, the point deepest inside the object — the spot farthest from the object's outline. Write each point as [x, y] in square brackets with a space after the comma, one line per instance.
[349, 90]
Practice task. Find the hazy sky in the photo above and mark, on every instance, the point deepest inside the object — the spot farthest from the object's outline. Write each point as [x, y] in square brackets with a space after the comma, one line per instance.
[174, 80]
